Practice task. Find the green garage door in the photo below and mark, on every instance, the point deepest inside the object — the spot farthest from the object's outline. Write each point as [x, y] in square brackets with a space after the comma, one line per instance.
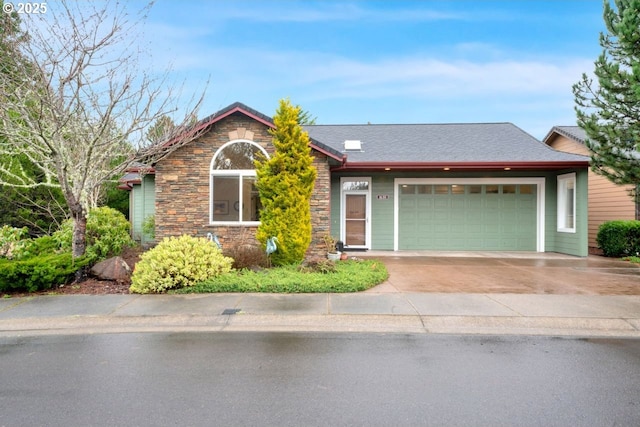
[498, 217]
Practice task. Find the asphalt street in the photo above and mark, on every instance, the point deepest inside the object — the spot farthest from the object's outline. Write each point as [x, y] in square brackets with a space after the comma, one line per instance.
[317, 379]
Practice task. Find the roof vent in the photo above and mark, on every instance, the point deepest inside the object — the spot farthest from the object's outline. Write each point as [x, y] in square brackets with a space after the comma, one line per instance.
[352, 145]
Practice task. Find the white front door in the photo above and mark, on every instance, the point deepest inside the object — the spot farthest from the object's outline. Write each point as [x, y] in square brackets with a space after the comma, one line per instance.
[356, 207]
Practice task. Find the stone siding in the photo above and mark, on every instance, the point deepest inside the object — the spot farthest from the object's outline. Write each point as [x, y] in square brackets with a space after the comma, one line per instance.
[320, 206]
[183, 187]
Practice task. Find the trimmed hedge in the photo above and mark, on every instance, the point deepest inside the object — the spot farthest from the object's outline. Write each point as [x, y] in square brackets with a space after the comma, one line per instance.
[619, 238]
[39, 273]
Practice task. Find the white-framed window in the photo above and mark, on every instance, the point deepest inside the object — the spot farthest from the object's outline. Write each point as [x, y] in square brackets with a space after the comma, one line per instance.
[233, 194]
[567, 203]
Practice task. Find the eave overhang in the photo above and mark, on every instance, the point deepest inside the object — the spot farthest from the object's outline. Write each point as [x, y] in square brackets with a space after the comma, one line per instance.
[551, 135]
[458, 166]
[327, 151]
[133, 176]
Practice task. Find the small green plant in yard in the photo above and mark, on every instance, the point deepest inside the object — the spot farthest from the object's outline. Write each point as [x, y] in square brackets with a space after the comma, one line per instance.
[349, 276]
[632, 259]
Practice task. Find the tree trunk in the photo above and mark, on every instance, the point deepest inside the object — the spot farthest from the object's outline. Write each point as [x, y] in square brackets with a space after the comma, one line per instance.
[79, 239]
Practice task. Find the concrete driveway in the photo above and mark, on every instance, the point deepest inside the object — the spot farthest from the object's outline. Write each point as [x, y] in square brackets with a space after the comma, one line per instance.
[506, 272]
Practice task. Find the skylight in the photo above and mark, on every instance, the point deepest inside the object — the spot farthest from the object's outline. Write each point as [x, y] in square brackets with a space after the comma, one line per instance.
[352, 145]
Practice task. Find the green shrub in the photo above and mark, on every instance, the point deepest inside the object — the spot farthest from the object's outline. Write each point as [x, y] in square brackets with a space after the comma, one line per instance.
[38, 272]
[45, 245]
[107, 233]
[11, 240]
[619, 238]
[177, 262]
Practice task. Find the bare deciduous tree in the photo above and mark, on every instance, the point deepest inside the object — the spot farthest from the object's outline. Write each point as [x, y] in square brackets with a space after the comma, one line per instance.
[79, 105]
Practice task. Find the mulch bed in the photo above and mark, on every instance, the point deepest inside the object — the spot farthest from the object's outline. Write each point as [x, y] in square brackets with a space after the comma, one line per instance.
[91, 285]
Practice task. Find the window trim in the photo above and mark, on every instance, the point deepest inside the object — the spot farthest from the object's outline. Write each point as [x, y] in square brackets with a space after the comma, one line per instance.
[563, 181]
[240, 174]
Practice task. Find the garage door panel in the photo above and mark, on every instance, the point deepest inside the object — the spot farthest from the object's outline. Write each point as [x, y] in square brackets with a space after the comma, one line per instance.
[458, 202]
[426, 215]
[509, 204]
[469, 220]
[424, 202]
[441, 202]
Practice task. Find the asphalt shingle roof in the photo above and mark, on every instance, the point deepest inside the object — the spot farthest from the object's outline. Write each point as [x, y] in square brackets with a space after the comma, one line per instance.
[436, 143]
[574, 132]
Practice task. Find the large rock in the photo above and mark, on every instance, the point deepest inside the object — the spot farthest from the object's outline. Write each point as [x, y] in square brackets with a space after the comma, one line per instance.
[111, 269]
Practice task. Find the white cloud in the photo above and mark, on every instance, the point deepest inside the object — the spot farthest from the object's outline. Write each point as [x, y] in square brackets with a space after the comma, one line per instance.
[336, 76]
[329, 12]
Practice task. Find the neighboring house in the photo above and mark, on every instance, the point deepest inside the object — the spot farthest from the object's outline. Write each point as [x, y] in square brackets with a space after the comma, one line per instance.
[449, 187]
[607, 201]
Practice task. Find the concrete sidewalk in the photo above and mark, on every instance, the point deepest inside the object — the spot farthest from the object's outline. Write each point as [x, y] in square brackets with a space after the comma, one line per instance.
[437, 313]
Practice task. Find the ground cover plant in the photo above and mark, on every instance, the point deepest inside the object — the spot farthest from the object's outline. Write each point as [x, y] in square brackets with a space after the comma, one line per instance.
[325, 276]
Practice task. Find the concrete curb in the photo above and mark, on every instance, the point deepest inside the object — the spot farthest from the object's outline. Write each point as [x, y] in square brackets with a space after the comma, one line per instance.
[403, 324]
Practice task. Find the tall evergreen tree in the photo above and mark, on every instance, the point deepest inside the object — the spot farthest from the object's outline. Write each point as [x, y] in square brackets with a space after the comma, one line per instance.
[285, 183]
[609, 110]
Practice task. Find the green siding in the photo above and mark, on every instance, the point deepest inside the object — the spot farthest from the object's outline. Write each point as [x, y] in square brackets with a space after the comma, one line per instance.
[143, 205]
[382, 211]
[564, 242]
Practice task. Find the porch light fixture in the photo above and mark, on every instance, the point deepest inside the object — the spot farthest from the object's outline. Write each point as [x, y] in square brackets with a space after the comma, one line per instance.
[447, 169]
[507, 169]
[387, 169]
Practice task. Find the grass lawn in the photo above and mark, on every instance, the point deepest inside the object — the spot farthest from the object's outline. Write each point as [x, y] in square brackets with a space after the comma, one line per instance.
[349, 276]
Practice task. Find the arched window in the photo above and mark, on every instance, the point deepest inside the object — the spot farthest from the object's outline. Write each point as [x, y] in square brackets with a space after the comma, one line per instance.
[234, 197]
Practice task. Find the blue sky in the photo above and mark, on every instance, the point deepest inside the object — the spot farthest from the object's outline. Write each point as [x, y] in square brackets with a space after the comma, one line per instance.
[384, 61]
